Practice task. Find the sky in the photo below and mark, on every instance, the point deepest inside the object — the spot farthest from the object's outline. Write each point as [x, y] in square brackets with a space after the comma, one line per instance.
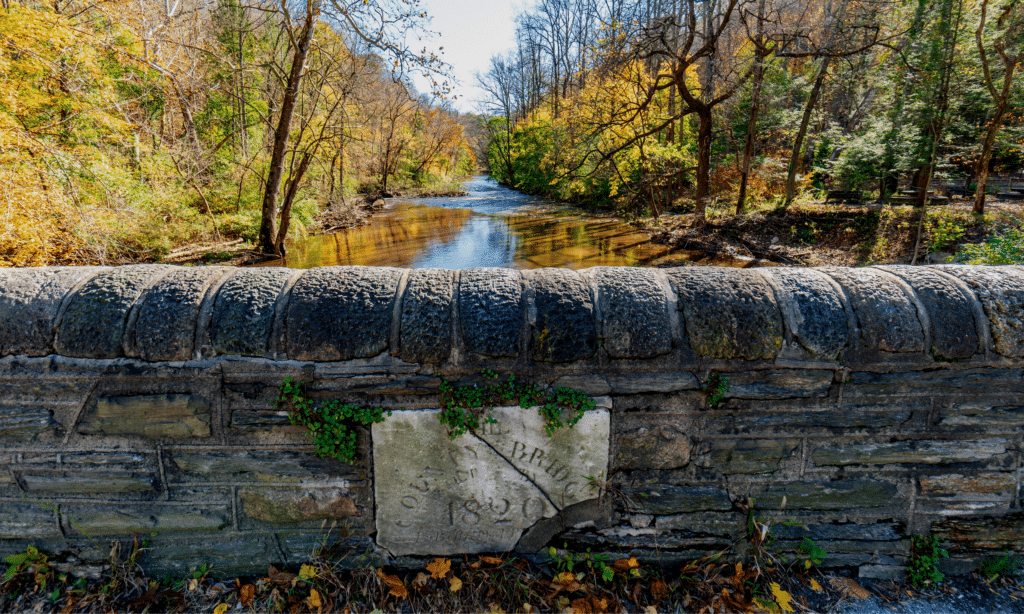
[471, 31]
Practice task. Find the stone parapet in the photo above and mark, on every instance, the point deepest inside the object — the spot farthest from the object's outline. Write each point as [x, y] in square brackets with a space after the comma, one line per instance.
[852, 406]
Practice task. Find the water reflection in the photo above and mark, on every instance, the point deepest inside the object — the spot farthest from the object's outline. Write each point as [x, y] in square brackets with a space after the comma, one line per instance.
[491, 227]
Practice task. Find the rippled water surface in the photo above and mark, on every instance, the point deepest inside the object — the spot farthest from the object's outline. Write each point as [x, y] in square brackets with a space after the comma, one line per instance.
[492, 226]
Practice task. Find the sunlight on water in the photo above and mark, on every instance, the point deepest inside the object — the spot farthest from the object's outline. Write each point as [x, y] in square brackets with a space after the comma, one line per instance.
[491, 227]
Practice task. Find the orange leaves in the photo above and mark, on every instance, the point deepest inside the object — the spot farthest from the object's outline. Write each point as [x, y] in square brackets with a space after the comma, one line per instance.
[626, 565]
[246, 595]
[394, 583]
[439, 568]
[314, 601]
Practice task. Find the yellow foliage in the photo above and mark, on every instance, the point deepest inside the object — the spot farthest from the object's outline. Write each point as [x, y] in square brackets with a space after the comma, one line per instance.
[56, 105]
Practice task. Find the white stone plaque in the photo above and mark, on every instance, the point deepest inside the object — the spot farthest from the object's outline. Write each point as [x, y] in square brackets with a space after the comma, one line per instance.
[478, 493]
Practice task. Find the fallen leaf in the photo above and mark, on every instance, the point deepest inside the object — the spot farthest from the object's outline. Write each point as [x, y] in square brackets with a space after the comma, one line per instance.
[313, 601]
[849, 588]
[490, 560]
[193, 584]
[650, 609]
[564, 578]
[220, 609]
[566, 581]
[246, 594]
[496, 609]
[307, 572]
[624, 565]
[456, 584]
[658, 589]
[439, 568]
[280, 578]
[815, 586]
[394, 583]
[782, 598]
[420, 581]
[581, 606]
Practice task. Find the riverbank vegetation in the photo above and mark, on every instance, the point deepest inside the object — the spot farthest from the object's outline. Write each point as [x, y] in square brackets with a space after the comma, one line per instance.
[726, 108]
[128, 129]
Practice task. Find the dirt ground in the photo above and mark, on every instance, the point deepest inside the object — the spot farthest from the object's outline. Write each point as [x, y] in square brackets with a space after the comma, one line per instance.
[813, 234]
[567, 583]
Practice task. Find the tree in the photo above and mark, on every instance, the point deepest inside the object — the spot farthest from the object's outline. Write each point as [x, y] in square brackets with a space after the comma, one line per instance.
[383, 25]
[1008, 44]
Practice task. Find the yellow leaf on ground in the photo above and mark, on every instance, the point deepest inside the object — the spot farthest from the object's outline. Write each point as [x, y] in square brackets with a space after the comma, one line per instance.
[815, 586]
[566, 577]
[246, 594]
[782, 598]
[456, 584]
[220, 609]
[490, 560]
[439, 568]
[307, 572]
[313, 601]
[394, 583]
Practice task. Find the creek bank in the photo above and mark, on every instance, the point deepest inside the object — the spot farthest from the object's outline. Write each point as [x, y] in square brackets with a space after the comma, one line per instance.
[813, 234]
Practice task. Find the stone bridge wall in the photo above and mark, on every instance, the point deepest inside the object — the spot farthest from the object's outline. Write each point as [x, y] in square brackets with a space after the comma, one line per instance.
[861, 406]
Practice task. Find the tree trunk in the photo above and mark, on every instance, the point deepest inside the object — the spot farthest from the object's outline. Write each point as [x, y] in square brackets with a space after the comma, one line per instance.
[748, 146]
[289, 200]
[798, 143]
[704, 133]
[268, 222]
[989, 145]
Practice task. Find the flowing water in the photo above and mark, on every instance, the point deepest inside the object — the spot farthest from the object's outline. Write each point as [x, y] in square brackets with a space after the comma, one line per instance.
[492, 226]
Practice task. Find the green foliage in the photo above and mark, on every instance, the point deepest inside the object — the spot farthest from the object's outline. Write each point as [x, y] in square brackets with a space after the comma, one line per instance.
[594, 562]
[925, 553]
[1005, 565]
[715, 388]
[944, 228]
[465, 407]
[1005, 246]
[25, 561]
[331, 424]
[810, 553]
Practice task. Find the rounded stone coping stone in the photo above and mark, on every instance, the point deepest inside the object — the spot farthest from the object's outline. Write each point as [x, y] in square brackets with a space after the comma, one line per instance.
[562, 316]
[632, 310]
[886, 314]
[30, 301]
[814, 309]
[94, 321]
[164, 322]
[491, 311]
[951, 313]
[426, 319]
[1001, 293]
[729, 313]
[341, 313]
[243, 314]
[104, 313]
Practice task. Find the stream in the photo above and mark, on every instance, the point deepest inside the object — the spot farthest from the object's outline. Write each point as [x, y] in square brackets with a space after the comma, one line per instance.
[492, 226]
